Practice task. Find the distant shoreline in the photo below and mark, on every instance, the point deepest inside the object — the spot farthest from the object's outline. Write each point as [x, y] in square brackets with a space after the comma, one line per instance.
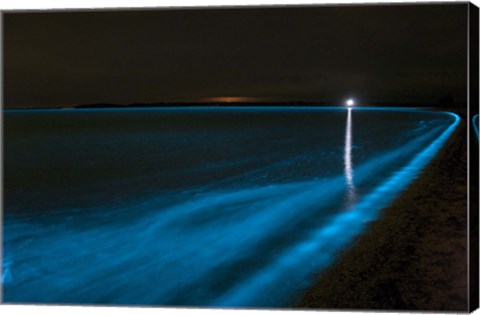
[233, 104]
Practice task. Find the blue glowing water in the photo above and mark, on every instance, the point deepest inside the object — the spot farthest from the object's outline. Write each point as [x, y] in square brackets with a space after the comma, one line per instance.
[230, 207]
[475, 125]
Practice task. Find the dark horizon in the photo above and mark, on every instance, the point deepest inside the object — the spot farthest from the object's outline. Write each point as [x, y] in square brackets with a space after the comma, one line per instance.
[389, 54]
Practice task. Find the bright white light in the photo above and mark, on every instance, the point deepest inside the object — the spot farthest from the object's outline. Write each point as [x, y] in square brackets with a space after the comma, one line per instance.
[350, 102]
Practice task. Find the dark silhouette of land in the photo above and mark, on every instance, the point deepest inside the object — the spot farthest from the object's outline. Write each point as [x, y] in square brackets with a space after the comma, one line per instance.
[444, 103]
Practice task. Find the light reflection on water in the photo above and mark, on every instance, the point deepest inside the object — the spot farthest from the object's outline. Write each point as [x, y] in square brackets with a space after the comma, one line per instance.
[348, 159]
[255, 246]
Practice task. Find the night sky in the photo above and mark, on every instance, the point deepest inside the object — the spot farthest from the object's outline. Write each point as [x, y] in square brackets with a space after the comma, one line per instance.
[390, 54]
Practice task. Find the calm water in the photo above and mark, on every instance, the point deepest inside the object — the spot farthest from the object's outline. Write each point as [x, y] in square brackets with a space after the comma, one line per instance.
[234, 207]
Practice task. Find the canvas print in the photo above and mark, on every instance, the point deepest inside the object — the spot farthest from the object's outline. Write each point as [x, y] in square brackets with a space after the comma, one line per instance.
[293, 157]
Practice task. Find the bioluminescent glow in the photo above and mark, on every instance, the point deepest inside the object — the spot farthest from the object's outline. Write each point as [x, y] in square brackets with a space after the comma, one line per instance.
[350, 102]
[319, 249]
[475, 124]
[241, 214]
[348, 158]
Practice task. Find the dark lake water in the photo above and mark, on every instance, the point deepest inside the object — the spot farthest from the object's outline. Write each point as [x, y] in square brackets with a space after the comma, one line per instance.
[230, 207]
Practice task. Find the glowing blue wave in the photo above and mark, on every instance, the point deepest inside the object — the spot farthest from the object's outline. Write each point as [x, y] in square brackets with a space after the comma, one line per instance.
[255, 246]
[319, 249]
[475, 124]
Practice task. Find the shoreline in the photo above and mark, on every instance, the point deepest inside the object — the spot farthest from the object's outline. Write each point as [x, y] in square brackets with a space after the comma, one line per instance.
[414, 257]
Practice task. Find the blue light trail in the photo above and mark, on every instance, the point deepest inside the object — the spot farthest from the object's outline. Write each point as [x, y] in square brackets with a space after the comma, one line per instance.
[475, 124]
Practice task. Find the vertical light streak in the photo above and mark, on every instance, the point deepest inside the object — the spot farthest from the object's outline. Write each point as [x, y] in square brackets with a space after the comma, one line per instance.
[347, 159]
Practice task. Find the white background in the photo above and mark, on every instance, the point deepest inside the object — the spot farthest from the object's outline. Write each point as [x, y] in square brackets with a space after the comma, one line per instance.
[70, 4]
